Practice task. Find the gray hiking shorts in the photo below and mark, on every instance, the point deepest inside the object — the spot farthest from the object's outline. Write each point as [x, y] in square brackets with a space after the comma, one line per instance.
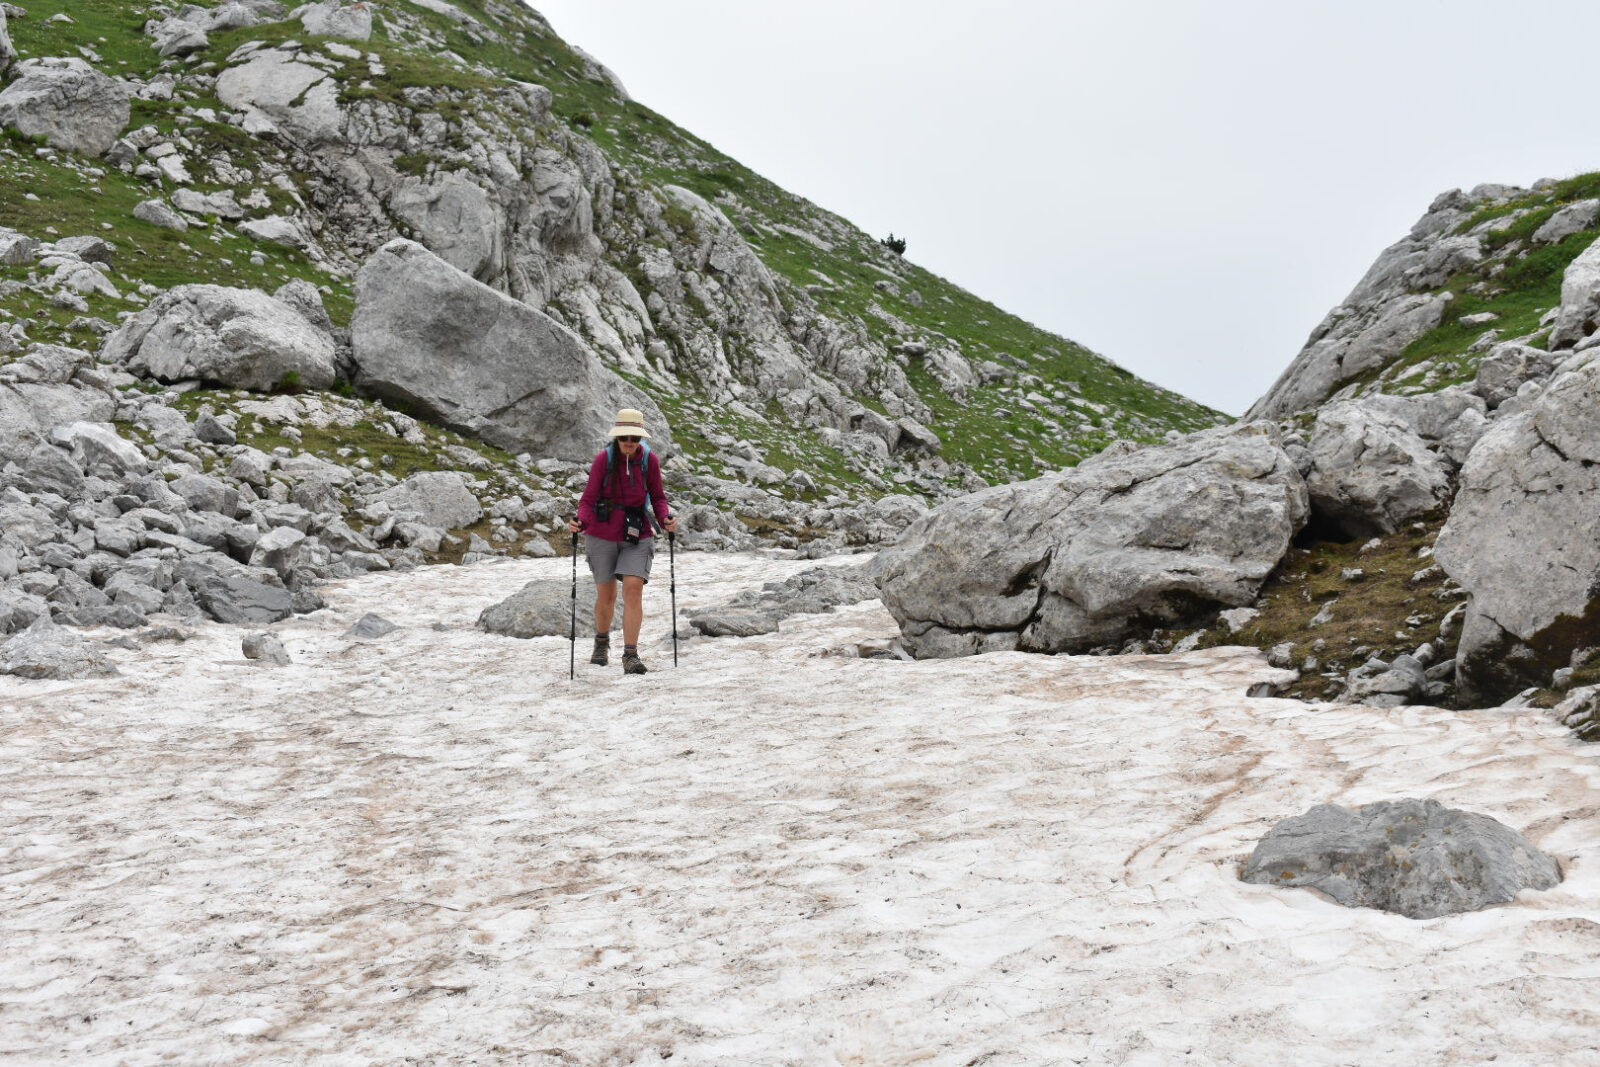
[610, 560]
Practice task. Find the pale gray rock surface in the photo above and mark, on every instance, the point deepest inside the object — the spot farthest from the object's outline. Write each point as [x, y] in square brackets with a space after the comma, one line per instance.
[473, 359]
[439, 499]
[1370, 472]
[1580, 299]
[73, 106]
[265, 648]
[1520, 538]
[812, 592]
[1413, 857]
[1130, 537]
[371, 625]
[8, 51]
[541, 608]
[159, 213]
[334, 18]
[1576, 216]
[1508, 367]
[237, 337]
[46, 651]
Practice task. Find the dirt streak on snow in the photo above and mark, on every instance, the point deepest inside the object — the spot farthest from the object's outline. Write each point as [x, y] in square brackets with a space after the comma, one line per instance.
[432, 848]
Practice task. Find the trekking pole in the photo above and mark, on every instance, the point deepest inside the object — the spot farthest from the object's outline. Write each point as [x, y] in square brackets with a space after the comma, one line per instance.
[572, 661]
[672, 584]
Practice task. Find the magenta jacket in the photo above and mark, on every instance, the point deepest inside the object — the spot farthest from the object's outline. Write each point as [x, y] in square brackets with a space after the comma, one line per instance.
[628, 486]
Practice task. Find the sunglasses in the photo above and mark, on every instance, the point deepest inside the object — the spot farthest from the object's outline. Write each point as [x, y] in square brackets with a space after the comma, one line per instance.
[629, 440]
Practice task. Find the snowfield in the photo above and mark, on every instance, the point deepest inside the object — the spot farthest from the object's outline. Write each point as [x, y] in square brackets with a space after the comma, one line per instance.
[431, 848]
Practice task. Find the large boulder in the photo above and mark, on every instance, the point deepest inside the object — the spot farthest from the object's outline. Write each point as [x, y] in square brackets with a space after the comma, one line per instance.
[1156, 535]
[1414, 857]
[236, 337]
[1371, 471]
[69, 103]
[427, 335]
[8, 51]
[334, 18]
[1520, 538]
[1580, 299]
[440, 499]
[46, 651]
[542, 608]
[28, 412]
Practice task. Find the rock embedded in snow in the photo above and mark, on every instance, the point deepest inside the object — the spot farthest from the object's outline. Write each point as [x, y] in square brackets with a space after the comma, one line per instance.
[371, 625]
[237, 337]
[232, 595]
[69, 103]
[541, 608]
[46, 651]
[475, 360]
[1513, 538]
[1413, 857]
[1078, 558]
[266, 648]
[811, 592]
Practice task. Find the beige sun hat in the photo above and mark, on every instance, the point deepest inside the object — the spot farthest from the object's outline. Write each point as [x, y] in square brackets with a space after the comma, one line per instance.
[630, 423]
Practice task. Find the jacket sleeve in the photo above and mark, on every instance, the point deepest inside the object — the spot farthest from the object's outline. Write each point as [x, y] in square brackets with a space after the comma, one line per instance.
[658, 492]
[591, 492]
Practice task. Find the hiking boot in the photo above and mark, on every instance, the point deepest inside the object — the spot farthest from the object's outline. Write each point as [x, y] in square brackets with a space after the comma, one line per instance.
[632, 664]
[602, 650]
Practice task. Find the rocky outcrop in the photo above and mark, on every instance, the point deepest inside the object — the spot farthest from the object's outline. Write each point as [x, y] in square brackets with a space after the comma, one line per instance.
[236, 337]
[1519, 538]
[1076, 559]
[67, 102]
[1382, 461]
[47, 651]
[471, 358]
[1413, 857]
[1580, 299]
[1393, 305]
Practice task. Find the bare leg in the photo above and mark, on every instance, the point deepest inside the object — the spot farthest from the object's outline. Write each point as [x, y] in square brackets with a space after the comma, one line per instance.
[632, 607]
[605, 606]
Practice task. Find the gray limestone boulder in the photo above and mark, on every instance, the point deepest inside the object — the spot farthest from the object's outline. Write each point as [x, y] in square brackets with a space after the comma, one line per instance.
[236, 337]
[1574, 217]
[234, 595]
[8, 51]
[541, 608]
[1413, 857]
[1132, 537]
[371, 625]
[1580, 299]
[46, 651]
[265, 648]
[464, 355]
[1507, 367]
[1370, 471]
[439, 499]
[811, 592]
[29, 411]
[1520, 538]
[98, 448]
[69, 103]
[334, 18]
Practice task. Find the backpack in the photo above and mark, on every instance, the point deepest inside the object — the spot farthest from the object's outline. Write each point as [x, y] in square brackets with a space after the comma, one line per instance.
[643, 513]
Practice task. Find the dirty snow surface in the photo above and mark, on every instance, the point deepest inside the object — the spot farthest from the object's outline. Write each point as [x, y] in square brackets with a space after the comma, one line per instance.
[431, 848]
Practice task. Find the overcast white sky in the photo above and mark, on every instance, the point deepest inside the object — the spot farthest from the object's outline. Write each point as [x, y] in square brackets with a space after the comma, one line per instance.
[1184, 187]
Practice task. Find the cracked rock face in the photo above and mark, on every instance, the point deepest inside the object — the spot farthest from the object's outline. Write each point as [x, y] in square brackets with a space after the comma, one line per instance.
[72, 105]
[473, 359]
[1129, 538]
[1521, 539]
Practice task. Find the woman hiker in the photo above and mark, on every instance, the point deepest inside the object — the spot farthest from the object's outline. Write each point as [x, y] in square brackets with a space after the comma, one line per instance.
[624, 483]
